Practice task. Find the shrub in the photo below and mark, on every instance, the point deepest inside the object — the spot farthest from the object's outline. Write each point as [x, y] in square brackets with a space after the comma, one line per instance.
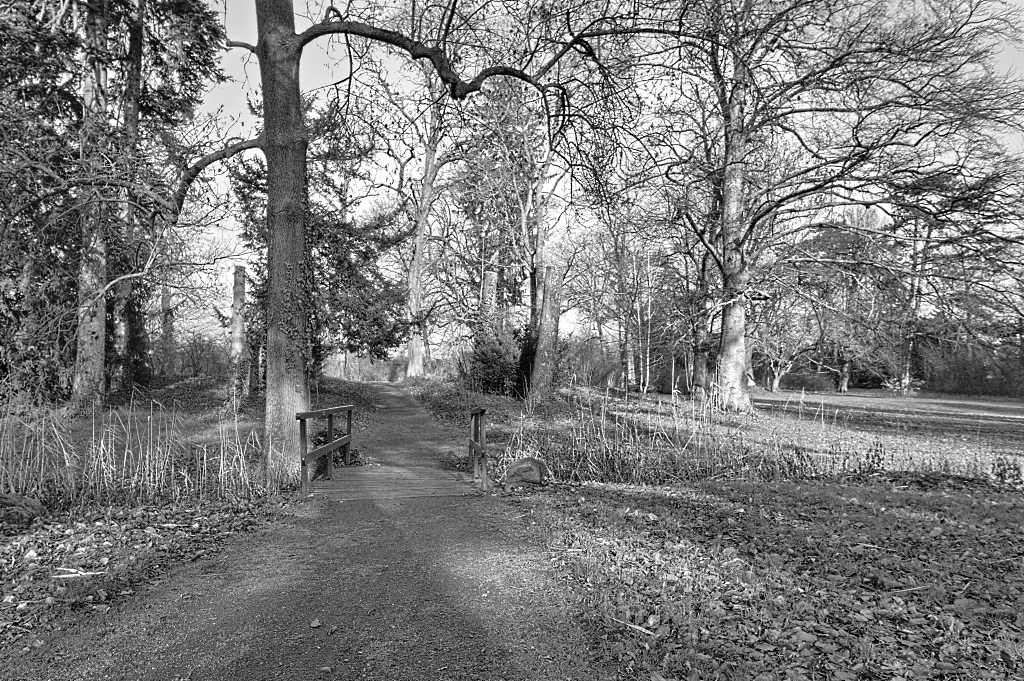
[810, 382]
[492, 365]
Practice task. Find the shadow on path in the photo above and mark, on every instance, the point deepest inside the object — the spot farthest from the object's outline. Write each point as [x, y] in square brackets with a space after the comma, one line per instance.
[446, 588]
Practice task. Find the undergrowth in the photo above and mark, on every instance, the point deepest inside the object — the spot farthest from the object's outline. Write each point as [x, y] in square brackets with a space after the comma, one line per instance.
[139, 454]
[178, 443]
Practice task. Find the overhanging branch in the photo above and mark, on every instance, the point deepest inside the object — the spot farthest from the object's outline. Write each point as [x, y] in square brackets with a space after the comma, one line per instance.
[194, 170]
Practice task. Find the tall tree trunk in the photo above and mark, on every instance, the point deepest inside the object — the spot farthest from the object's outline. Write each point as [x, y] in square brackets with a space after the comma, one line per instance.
[89, 382]
[285, 144]
[128, 323]
[240, 373]
[489, 294]
[701, 347]
[844, 375]
[418, 338]
[732, 381]
[546, 356]
[168, 349]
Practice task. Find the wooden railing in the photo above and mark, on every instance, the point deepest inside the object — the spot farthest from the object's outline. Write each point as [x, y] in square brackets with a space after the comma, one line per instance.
[328, 449]
[478, 448]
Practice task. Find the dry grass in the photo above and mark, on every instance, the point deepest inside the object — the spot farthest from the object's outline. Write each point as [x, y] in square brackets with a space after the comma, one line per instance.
[180, 442]
[139, 454]
[650, 440]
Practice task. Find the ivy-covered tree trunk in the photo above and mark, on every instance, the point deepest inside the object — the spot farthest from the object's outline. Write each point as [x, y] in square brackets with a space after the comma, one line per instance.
[89, 381]
[284, 145]
[701, 345]
[129, 324]
[844, 375]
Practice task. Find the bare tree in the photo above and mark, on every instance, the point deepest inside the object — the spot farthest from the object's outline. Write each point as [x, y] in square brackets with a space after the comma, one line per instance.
[778, 110]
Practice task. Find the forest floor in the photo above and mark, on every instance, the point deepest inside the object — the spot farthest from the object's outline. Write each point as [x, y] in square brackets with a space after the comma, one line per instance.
[887, 574]
[429, 588]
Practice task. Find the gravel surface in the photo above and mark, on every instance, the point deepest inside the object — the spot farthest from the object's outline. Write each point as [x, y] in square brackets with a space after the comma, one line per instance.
[426, 588]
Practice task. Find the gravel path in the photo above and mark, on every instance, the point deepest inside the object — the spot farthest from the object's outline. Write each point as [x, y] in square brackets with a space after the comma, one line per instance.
[426, 588]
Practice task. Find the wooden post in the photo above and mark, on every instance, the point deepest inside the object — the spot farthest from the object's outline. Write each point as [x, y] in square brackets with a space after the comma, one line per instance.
[477, 448]
[330, 439]
[348, 431]
[472, 439]
[302, 451]
[485, 483]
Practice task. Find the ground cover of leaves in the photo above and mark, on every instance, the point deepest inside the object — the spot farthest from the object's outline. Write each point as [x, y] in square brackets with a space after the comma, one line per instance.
[873, 579]
[67, 564]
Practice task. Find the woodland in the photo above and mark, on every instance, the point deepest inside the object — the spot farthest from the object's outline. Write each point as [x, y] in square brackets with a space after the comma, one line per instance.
[562, 208]
[716, 193]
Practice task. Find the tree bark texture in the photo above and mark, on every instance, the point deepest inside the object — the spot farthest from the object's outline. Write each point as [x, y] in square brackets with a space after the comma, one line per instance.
[239, 348]
[168, 349]
[546, 356]
[89, 382]
[417, 339]
[732, 389]
[285, 143]
[128, 320]
[489, 293]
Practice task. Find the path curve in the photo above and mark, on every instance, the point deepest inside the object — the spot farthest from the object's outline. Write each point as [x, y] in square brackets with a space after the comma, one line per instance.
[445, 588]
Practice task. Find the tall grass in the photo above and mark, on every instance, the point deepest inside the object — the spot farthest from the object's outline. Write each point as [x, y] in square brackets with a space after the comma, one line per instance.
[640, 441]
[134, 455]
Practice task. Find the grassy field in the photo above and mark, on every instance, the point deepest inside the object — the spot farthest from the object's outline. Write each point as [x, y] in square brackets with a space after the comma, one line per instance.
[822, 540]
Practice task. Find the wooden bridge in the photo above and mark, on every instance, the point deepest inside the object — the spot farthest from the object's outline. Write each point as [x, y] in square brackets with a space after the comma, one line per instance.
[402, 471]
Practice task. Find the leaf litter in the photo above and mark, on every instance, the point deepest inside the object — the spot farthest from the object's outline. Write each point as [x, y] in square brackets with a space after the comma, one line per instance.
[763, 581]
[84, 560]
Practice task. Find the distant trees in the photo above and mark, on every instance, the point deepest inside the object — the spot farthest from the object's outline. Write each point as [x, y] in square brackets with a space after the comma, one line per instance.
[804, 106]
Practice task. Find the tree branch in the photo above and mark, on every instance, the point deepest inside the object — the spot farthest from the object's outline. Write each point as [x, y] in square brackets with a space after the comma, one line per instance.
[457, 86]
[193, 171]
[238, 43]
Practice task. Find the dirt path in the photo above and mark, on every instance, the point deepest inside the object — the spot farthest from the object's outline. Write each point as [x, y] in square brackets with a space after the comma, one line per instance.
[425, 588]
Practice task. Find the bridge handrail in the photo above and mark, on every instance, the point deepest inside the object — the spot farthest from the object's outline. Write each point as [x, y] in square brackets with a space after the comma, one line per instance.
[345, 441]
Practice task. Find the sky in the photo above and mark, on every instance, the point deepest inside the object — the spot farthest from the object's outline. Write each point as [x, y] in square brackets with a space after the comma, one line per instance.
[320, 63]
